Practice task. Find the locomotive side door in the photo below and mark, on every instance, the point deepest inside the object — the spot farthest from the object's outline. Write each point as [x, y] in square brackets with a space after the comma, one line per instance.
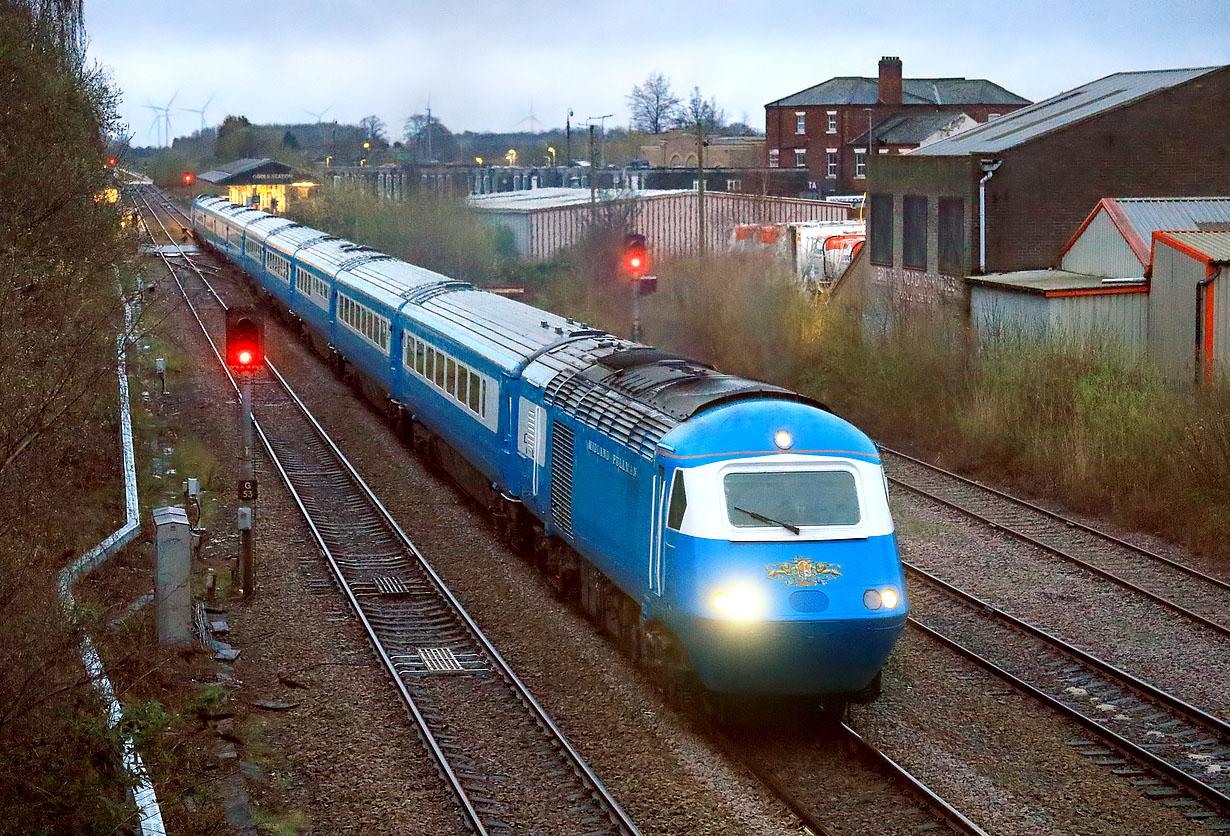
[657, 517]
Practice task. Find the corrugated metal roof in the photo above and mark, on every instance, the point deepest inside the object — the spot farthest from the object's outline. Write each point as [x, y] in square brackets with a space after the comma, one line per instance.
[1045, 281]
[530, 200]
[1147, 214]
[1059, 111]
[855, 90]
[1214, 244]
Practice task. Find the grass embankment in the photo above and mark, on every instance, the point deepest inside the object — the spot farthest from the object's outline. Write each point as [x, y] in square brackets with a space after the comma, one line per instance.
[1080, 423]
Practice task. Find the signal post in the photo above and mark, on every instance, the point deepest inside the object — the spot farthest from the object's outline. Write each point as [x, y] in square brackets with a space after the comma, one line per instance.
[245, 356]
[635, 264]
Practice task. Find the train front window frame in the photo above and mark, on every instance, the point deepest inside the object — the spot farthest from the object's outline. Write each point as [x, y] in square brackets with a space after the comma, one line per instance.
[792, 499]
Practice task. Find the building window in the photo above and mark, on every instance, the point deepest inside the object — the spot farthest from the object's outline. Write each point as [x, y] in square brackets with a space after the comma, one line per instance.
[860, 163]
[952, 236]
[831, 171]
[914, 232]
[800, 122]
[832, 128]
[800, 158]
[773, 158]
[734, 185]
[881, 229]
[991, 116]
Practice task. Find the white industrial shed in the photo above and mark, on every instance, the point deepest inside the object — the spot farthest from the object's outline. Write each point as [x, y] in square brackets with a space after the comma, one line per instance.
[1117, 237]
[1189, 305]
[544, 221]
[1060, 304]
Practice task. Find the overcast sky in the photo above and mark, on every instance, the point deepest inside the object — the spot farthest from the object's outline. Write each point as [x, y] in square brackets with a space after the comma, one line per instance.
[484, 64]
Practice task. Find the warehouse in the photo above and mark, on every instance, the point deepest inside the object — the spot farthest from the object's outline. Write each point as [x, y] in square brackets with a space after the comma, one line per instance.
[1189, 306]
[544, 221]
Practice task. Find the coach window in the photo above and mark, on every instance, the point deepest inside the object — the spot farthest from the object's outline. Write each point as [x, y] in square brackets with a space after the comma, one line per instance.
[679, 502]
[450, 376]
[463, 384]
[420, 357]
[440, 370]
[476, 385]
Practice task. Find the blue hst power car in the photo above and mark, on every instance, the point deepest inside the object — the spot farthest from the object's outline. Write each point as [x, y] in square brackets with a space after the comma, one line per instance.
[730, 532]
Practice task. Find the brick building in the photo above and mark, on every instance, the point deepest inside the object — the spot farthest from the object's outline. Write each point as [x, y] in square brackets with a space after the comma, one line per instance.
[1035, 173]
[817, 128]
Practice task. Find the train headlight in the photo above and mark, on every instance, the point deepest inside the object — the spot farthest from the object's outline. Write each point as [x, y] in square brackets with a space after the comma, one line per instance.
[783, 440]
[886, 598]
[739, 602]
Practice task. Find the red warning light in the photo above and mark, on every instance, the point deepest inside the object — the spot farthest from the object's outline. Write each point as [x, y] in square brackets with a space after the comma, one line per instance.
[111, 161]
[636, 258]
[188, 178]
[245, 340]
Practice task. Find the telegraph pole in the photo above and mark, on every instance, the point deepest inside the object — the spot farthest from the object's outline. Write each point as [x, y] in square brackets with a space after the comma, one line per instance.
[700, 188]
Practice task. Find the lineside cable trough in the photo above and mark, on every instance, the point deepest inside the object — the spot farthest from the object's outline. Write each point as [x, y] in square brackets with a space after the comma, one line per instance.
[149, 814]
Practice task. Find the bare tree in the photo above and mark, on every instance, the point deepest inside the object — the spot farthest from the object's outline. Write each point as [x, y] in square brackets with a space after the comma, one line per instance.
[373, 128]
[655, 108]
[703, 112]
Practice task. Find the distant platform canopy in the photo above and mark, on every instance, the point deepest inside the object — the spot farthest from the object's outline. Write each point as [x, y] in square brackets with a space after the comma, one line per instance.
[249, 172]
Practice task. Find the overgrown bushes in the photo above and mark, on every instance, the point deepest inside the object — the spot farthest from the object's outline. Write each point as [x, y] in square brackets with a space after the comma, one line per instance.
[61, 252]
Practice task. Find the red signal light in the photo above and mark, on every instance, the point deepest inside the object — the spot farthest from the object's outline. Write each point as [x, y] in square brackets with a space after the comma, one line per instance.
[636, 258]
[245, 340]
[188, 178]
[112, 161]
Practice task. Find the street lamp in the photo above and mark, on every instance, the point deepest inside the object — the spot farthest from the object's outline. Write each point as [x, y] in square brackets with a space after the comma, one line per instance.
[328, 160]
[478, 160]
[551, 151]
[601, 136]
[511, 156]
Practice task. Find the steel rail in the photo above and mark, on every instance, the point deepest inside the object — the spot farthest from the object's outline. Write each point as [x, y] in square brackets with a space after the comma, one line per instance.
[953, 817]
[1058, 552]
[1069, 521]
[1211, 720]
[1160, 765]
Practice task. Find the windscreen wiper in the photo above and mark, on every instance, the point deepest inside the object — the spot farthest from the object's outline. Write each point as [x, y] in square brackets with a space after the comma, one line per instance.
[794, 529]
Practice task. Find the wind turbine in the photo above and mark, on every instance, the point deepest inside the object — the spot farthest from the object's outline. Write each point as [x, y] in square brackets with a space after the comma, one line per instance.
[320, 119]
[532, 119]
[164, 115]
[157, 123]
[201, 111]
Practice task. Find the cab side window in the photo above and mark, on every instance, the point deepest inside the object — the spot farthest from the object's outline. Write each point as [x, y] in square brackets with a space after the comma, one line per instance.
[679, 502]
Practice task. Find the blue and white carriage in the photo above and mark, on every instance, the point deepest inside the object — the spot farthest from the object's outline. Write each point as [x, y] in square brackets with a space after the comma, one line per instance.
[728, 529]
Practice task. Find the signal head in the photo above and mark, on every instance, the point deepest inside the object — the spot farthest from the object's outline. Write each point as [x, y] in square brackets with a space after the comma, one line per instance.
[636, 257]
[245, 340]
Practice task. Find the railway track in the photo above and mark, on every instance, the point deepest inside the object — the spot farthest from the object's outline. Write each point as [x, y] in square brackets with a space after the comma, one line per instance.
[1169, 749]
[320, 500]
[504, 760]
[1199, 597]
[887, 792]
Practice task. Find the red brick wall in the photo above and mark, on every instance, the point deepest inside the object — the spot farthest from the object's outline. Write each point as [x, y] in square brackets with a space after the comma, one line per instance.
[1174, 143]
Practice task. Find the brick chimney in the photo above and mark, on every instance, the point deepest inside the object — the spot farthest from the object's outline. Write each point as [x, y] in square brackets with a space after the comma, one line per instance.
[890, 80]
